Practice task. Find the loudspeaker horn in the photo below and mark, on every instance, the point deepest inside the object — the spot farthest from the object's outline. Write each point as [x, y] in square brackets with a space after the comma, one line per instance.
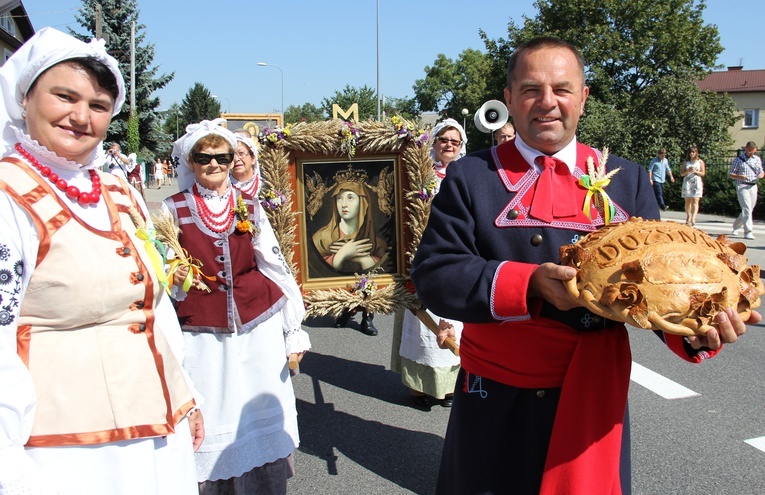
[491, 116]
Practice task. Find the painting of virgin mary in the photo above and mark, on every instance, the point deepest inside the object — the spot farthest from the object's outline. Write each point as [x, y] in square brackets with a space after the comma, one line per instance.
[350, 218]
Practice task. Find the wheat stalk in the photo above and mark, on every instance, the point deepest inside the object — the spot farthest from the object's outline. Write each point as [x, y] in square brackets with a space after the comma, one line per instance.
[167, 232]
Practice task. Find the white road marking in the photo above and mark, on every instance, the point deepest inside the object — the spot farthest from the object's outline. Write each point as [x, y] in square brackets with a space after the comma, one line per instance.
[757, 443]
[658, 384]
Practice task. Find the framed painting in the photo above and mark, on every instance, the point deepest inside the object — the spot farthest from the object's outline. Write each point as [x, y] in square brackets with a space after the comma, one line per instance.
[348, 202]
[351, 223]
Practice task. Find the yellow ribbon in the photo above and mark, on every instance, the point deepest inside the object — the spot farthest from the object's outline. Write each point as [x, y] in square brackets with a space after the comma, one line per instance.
[195, 268]
[156, 255]
[597, 191]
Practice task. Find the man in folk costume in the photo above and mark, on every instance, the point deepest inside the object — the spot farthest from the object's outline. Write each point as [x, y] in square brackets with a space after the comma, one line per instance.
[542, 395]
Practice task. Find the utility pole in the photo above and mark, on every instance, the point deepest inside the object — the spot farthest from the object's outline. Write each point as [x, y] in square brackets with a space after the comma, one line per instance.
[132, 68]
[99, 22]
[378, 61]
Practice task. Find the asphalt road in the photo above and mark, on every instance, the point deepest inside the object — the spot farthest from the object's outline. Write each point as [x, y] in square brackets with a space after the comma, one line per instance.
[359, 434]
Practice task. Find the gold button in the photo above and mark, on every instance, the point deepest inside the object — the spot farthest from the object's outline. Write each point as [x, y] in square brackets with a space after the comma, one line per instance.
[536, 239]
[512, 214]
[540, 393]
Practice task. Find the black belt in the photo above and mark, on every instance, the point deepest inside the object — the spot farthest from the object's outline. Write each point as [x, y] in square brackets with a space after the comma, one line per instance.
[750, 183]
[580, 319]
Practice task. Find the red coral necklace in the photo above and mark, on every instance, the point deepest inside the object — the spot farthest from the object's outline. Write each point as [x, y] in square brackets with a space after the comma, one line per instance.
[72, 192]
[440, 170]
[251, 189]
[217, 222]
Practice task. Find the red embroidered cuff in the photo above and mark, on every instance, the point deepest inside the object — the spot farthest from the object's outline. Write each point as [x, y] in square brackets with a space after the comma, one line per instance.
[509, 290]
[682, 348]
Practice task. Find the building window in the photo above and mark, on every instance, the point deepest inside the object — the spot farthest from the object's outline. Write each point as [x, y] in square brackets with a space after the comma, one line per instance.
[6, 55]
[6, 22]
[751, 118]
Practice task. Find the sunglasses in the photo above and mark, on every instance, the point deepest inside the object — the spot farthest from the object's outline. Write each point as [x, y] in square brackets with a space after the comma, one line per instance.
[446, 140]
[204, 158]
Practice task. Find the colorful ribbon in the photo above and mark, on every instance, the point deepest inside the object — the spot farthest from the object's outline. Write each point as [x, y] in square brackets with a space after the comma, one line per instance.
[195, 269]
[597, 191]
[156, 251]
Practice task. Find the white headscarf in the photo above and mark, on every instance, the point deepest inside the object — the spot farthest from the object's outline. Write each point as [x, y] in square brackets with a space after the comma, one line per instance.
[183, 146]
[241, 137]
[42, 51]
[450, 123]
[246, 140]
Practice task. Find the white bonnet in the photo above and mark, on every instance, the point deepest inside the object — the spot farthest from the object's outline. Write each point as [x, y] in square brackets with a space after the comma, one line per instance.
[451, 123]
[243, 136]
[183, 146]
[42, 51]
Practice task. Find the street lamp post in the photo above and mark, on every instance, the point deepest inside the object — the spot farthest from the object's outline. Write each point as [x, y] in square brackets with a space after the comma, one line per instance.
[465, 113]
[228, 102]
[263, 64]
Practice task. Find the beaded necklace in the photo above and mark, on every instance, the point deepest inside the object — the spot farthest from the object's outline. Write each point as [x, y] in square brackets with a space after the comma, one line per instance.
[72, 192]
[217, 222]
[251, 188]
[439, 169]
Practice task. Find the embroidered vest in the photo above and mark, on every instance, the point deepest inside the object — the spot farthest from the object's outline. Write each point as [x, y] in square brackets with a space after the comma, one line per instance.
[102, 370]
[241, 296]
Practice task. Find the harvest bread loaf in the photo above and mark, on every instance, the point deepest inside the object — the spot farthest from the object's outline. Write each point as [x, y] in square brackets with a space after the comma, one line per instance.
[661, 275]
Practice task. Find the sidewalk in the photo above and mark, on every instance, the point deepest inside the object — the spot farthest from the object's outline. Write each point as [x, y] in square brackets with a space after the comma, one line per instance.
[716, 224]
[154, 196]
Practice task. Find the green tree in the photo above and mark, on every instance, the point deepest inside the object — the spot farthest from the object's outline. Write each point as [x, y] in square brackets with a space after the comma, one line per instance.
[451, 85]
[674, 113]
[403, 107]
[604, 125]
[133, 143]
[117, 18]
[198, 105]
[172, 122]
[642, 59]
[628, 45]
[365, 96]
[308, 112]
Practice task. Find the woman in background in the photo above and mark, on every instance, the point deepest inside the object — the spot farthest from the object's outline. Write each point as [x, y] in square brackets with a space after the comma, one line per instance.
[159, 176]
[245, 174]
[693, 185]
[167, 172]
[427, 369]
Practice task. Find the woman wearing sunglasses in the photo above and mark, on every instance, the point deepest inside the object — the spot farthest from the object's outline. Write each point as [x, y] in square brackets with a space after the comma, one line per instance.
[428, 370]
[239, 333]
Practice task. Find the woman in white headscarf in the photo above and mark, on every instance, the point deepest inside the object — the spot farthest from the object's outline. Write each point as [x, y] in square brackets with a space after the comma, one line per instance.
[245, 173]
[240, 333]
[93, 398]
[428, 370]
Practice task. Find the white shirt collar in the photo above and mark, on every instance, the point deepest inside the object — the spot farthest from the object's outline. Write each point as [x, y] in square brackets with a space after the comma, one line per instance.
[567, 154]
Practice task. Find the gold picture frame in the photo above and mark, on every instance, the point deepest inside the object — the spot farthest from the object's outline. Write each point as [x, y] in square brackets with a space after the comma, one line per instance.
[392, 159]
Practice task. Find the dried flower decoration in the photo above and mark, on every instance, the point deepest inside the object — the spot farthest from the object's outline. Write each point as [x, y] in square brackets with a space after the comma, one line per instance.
[350, 135]
[243, 223]
[596, 181]
[272, 199]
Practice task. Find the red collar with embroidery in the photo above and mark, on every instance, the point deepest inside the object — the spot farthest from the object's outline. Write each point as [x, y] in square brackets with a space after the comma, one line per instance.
[520, 178]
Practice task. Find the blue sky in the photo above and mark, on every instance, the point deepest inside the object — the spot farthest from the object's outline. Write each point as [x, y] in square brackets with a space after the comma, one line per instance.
[321, 46]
